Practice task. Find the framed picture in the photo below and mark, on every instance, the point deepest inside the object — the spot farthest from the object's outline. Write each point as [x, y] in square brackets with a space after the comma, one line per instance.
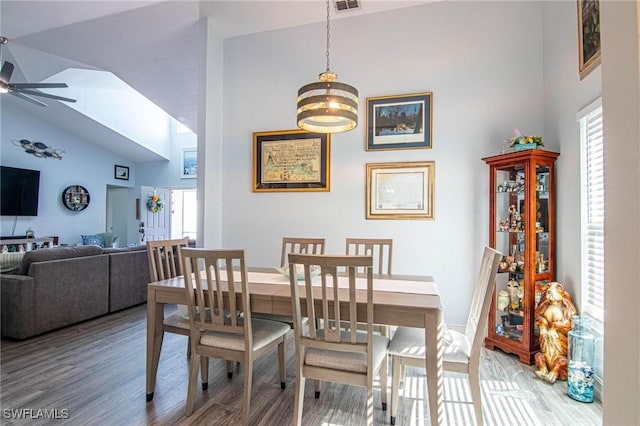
[399, 122]
[121, 172]
[588, 36]
[291, 160]
[189, 163]
[400, 190]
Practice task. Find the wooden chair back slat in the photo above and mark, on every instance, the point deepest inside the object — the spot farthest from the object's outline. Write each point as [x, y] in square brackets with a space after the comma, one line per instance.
[209, 274]
[381, 249]
[164, 258]
[300, 245]
[332, 300]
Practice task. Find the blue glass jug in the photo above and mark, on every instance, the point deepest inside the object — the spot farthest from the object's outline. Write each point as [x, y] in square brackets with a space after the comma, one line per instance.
[581, 351]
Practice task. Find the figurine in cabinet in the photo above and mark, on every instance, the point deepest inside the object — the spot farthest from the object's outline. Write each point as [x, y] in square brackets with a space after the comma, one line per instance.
[553, 317]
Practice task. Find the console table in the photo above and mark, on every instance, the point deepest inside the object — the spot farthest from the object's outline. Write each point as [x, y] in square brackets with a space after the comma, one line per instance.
[27, 244]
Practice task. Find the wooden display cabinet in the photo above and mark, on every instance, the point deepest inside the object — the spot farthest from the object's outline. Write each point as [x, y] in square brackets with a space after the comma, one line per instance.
[522, 228]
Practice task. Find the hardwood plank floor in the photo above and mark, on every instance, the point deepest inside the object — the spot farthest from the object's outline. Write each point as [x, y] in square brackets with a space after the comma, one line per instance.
[94, 374]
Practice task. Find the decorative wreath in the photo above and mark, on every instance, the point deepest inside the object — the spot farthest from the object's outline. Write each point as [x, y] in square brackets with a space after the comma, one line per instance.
[154, 203]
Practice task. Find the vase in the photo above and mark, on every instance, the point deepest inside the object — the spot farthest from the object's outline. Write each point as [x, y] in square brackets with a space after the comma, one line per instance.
[581, 352]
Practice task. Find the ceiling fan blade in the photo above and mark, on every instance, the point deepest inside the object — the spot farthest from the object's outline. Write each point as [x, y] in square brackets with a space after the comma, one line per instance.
[28, 98]
[44, 95]
[38, 85]
[5, 73]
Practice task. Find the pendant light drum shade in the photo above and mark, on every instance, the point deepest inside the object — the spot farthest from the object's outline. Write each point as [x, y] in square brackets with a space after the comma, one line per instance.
[327, 106]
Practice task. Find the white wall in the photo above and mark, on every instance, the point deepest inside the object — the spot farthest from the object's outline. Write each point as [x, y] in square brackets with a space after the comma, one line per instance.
[83, 164]
[211, 117]
[620, 25]
[167, 173]
[483, 63]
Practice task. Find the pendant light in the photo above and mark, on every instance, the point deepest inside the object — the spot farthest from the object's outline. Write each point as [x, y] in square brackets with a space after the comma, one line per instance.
[327, 106]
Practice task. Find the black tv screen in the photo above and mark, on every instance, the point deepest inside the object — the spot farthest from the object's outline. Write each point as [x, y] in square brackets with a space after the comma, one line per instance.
[20, 189]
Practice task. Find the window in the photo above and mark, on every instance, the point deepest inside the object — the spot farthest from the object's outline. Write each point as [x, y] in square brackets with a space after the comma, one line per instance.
[592, 183]
[592, 226]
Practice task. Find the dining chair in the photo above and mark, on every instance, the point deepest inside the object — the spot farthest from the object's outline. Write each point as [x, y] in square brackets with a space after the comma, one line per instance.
[294, 245]
[334, 353]
[381, 249]
[461, 351]
[211, 282]
[300, 245]
[165, 262]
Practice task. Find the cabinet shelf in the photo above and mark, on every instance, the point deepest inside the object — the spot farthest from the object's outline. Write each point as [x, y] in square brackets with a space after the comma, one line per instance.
[522, 228]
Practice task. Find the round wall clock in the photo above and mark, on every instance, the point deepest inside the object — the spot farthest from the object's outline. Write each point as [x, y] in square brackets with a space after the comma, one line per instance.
[75, 198]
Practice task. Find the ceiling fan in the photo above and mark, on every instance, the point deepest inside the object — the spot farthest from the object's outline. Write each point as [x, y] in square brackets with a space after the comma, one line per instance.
[23, 90]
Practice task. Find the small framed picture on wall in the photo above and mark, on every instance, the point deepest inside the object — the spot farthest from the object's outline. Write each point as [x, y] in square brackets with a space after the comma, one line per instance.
[189, 163]
[588, 36]
[121, 172]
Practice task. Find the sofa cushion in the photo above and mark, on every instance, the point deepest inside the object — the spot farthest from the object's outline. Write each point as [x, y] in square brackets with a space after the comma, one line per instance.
[128, 277]
[96, 239]
[56, 253]
[10, 262]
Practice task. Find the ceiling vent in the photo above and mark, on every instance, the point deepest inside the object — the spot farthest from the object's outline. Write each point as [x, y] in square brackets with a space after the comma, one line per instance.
[347, 5]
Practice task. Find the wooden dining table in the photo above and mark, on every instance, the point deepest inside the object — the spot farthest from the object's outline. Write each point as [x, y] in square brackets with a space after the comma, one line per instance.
[399, 300]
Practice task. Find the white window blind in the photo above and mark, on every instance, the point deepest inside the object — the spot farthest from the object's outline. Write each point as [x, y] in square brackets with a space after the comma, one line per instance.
[593, 216]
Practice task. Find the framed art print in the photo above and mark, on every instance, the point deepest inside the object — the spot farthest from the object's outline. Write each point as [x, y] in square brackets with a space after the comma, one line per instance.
[189, 163]
[121, 172]
[588, 36]
[400, 190]
[291, 160]
[399, 122]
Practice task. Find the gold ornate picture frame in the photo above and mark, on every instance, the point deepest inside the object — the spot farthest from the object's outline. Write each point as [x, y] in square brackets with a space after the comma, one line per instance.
[291, 160]
[400, 190]
[588, 36]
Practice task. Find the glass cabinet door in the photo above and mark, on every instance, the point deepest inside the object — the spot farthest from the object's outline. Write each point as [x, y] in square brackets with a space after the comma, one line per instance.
[510, 215]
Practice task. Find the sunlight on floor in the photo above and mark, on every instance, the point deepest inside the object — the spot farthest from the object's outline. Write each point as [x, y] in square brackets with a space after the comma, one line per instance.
[504, 403]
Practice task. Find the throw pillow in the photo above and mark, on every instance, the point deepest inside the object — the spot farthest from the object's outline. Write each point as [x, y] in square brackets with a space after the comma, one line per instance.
[96, 240]
[10, 262]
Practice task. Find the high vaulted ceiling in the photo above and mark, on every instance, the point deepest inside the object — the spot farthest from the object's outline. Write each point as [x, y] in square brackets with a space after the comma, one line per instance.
[151, 45]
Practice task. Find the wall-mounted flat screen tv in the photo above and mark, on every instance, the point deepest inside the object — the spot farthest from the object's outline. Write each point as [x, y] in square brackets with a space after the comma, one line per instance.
[20, 189]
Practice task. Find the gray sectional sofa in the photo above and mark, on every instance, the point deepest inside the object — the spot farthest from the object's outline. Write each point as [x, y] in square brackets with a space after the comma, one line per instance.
[60, 286]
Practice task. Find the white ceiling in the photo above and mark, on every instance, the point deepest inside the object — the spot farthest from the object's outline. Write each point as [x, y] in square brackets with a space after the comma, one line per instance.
[145, 43]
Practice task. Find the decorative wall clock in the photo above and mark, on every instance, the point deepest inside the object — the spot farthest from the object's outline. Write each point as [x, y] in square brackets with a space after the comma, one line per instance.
[75, 198]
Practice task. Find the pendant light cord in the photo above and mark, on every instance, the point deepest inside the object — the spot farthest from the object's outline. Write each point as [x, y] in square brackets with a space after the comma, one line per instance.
[328, 38]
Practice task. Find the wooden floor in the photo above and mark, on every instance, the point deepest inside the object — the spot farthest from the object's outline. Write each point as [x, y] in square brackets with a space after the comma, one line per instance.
[94, 374]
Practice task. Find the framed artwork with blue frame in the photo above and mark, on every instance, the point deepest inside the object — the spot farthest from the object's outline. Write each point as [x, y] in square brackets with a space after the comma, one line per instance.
[399, 122]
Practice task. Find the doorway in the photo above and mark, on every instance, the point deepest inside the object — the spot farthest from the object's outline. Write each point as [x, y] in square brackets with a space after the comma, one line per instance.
[116, 220]
[184, 213]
